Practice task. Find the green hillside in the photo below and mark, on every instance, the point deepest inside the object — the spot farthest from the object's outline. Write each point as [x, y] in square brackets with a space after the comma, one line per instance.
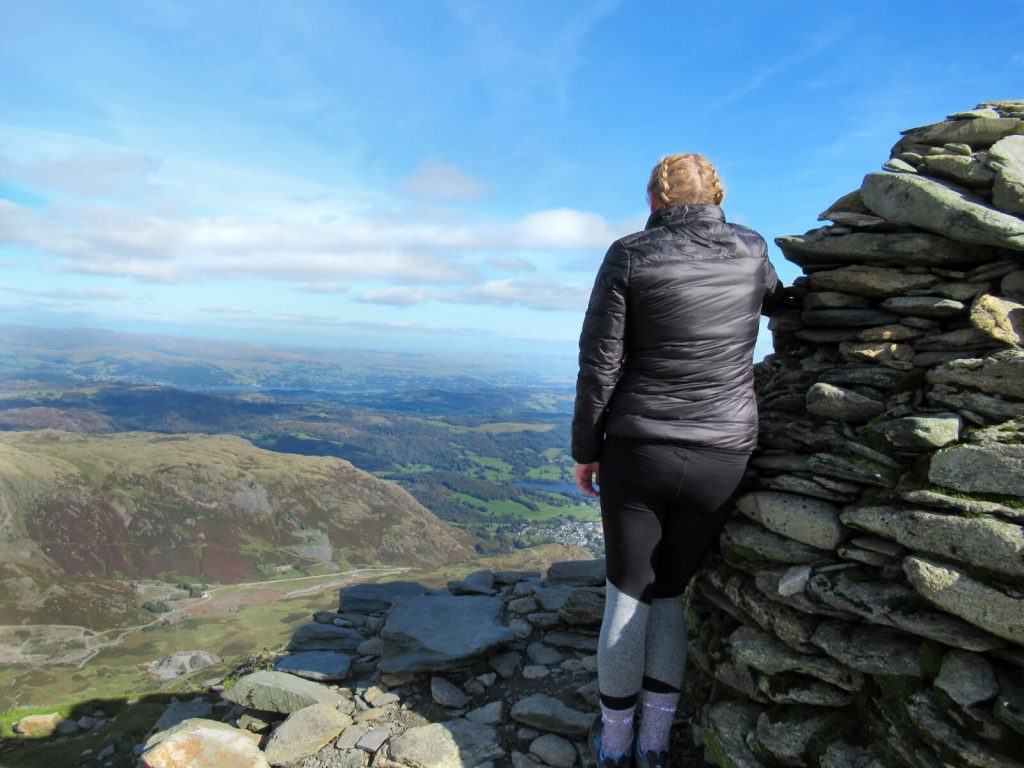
[83, 515]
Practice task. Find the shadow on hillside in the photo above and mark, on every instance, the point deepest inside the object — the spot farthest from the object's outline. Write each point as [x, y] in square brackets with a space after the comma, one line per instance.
[118, 725]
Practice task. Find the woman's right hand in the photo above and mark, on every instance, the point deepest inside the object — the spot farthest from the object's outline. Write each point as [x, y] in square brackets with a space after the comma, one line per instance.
[587, 476]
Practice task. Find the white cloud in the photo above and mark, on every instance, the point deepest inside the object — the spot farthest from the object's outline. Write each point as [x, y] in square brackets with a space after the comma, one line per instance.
[565, 229]
[91, 174]
[511, 264]
[526, 292]
[398, 295]
[440, 180]
[531, 293]
[170, 247]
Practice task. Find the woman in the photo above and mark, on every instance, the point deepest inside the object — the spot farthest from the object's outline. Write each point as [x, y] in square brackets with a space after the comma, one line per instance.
[665, 421]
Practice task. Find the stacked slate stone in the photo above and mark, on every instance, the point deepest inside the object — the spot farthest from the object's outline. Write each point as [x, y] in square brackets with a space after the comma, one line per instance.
[496, 669]
[866, 607]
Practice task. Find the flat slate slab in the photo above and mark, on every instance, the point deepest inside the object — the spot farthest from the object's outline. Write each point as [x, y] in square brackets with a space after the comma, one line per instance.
[939, 207]
[316, 665]
[278, 692]
[325, 637]
[427, 633]
[371, 598]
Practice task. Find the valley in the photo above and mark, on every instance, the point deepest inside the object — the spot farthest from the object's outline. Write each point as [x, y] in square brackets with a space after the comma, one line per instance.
[158, 496]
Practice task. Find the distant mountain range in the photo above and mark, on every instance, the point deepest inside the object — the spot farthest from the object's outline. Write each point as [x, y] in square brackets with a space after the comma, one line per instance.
[43, 353]
[82, 514]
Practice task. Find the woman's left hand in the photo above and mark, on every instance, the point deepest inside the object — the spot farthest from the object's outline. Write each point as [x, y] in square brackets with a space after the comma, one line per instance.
[587, 476]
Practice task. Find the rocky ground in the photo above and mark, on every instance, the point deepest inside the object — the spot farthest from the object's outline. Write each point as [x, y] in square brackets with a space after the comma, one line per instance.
[499, 669]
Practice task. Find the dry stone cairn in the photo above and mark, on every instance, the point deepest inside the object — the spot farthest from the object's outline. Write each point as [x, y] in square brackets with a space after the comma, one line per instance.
[866, 608]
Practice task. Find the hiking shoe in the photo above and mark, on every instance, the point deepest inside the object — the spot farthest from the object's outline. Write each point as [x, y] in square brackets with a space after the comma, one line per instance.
[651, 759]
[602, 761]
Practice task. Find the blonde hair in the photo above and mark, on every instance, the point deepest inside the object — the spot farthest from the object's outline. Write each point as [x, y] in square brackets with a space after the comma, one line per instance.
[685, 179]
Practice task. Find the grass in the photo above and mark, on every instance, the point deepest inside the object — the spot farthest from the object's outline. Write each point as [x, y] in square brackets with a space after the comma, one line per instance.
[549, 472]
[130, 723]
[490, 461]
[503, 427]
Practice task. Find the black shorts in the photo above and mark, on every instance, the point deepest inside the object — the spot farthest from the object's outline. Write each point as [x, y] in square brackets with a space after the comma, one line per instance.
[662, 507]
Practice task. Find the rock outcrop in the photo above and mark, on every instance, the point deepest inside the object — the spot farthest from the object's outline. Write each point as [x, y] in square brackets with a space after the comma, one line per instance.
[496, 669]
[867, 605]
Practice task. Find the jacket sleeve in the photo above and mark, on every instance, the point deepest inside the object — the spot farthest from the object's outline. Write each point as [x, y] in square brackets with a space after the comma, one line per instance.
[774, 292]
[602, 350]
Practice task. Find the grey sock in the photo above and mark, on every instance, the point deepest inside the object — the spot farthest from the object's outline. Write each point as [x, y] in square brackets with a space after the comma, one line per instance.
[665, 652]
[659, 710]
[620, 648]
[617, 734]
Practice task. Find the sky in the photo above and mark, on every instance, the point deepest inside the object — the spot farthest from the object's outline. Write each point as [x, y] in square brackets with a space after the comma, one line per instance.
[431, 176]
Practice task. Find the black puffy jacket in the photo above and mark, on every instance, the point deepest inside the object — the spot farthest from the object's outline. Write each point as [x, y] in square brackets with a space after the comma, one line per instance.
[666, 351]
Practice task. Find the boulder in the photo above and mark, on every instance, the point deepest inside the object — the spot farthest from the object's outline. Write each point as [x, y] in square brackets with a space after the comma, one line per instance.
[787, 739]
[965, 170]
[805, 691]
[552, 598]
[304, 732]
[937, 731]
[832, 402]
[1006, 158]
[970, 507]
[764, 652]
[745, 540]
[554, 751]
[452, 744]
[325, 637]
[869, 649]
[998, 374]
[967, 678]
[955, 592]
[974, 131]
[924, 306]
[582, 573]
[942, 208]
[38, 725]
[921, 433]
[809, 521]
[1001, 319]
[437, 632]
[446, 693]
[900, 249]
[889, 604]
[728, 726]
[371, 598]
[994, 468]
[870, 282]
[492, 713]
[549, 714]
[278, 692]
[540, 653]
[981, 541]
[583, 606]
[202, 744]
[476, 583]
[316, 665]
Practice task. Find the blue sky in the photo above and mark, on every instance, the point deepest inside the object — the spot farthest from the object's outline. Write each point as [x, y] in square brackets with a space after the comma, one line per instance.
[430, 176]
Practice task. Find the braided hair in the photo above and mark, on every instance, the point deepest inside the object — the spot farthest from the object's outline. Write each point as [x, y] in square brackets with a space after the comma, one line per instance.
[685, 179]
